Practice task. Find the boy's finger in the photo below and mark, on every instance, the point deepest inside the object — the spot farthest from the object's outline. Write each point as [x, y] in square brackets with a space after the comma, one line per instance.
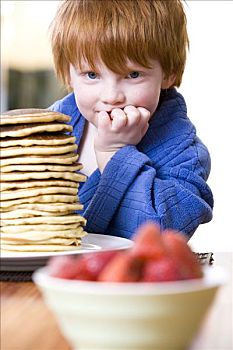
[144, 121]
[133, 115]
[145, 114]
[104, 120]
[119, 119]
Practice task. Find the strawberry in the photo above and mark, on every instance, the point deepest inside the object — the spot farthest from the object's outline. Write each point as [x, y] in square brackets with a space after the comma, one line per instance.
[63, 267]
[154, 257]
[182, 254]
[124, 267]
[86, 267]
[91, 265]
[148, 242]
[161, 270]
[82, 271]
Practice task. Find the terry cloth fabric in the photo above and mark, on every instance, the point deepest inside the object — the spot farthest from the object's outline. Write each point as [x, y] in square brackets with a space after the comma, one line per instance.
[162, 179]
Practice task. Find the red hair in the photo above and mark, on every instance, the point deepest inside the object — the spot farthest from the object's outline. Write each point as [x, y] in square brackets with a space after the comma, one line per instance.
[117, 30]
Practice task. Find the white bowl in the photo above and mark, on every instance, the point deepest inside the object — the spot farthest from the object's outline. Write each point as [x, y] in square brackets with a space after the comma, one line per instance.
[136, 316]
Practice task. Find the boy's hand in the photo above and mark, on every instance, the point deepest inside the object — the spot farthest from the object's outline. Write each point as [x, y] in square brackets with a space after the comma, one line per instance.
[120, 128]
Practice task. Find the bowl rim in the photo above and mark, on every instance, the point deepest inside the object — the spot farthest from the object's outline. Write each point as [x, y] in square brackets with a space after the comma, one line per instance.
[214, 277]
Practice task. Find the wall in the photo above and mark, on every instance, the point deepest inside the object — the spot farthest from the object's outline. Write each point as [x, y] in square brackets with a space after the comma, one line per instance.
[207, 87]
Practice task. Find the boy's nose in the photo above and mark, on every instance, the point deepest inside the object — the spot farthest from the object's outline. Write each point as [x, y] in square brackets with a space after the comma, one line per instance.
[112, 95]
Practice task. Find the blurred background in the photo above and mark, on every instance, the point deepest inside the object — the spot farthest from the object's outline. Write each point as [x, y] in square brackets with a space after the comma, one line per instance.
[28, 80]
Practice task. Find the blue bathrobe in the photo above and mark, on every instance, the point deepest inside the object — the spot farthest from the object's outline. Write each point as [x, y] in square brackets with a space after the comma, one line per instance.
[162, 179]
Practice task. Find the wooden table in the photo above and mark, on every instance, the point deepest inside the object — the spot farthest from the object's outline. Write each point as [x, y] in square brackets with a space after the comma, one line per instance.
[27, 324]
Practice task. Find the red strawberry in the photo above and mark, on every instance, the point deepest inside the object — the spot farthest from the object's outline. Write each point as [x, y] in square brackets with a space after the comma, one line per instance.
[91, 265]
[82, 271]
[182, 254]
[161, 270]
[148, 242]
[122, 268]
[86, 267]
[63, 267]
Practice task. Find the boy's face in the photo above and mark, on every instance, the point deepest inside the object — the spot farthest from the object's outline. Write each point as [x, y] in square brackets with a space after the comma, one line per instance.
[104, 90]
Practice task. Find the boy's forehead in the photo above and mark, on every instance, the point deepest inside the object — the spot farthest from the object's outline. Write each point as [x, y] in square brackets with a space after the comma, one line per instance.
[129, 64]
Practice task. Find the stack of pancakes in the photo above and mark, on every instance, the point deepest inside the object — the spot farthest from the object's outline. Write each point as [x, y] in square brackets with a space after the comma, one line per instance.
[39, 182]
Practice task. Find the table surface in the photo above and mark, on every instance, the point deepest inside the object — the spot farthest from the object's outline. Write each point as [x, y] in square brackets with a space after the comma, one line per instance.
[27, 323]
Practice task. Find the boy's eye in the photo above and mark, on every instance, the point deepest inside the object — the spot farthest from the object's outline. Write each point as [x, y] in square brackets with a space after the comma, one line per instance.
[91, 75]
[133, 75]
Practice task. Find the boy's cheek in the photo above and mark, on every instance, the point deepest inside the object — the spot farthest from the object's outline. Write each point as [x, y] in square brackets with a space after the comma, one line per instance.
[149, 102]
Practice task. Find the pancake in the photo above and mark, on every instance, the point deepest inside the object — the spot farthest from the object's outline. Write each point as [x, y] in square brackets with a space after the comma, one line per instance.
[28, 129]
[41, 139]
[62, 241]
[50, 198]
[37, 150]
[41, 235]
[39, 183]
[37, 191]
[67, 158]
[27, 213]
[39, 247]
[41, 227]
[48, 207]
[39, 175]
[64, 219]
[31, 115]
[41, 167]
[4, 186]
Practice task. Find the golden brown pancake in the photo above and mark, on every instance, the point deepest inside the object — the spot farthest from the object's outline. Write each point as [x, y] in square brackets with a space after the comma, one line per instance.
[63, 219]
[39, 183]
[42, 139]
[39, 175]
[48, 207]
[37, 191]
[31, 115]
[28, 213]
[40, 227]
[67, 158]
[41, 235]
[6, 186]
[28, 129]
[40, 247]
[41, 167]
[36, 150]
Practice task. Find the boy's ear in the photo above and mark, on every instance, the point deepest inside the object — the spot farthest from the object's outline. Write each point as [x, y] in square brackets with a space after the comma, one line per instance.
[168, 81]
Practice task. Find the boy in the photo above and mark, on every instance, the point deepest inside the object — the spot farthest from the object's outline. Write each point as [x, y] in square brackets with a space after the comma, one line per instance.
[123, 60]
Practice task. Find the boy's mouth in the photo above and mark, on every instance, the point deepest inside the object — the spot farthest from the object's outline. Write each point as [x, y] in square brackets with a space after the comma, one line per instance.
[109, 112]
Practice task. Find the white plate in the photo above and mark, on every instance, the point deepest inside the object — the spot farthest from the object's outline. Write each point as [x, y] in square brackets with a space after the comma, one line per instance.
[30, 261]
